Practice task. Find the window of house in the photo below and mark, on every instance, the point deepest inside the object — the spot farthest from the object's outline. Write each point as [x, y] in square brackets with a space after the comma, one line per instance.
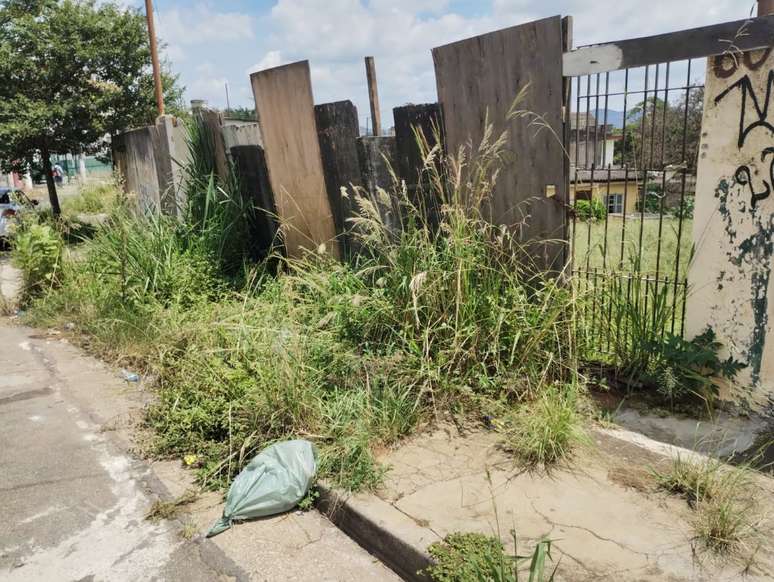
[615, 204]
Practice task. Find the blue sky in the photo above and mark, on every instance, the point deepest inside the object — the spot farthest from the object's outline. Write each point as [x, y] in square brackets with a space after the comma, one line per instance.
[214, 43]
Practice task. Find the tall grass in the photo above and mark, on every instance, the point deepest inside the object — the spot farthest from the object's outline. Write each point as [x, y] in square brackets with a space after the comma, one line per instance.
[725, 499]
[436, 315]
[214, 209]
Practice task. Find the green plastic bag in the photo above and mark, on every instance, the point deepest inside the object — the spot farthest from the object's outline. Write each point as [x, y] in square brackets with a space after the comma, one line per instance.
[274, 482]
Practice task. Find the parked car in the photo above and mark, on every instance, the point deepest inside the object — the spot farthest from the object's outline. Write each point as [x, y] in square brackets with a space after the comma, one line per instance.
[13, 204]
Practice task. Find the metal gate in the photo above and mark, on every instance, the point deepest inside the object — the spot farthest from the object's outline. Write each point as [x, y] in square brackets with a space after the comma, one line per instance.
[633, 129]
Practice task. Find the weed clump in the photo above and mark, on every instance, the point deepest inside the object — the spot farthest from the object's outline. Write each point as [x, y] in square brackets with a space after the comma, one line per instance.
[37, 253]
[724, 499]
[472, 557]
[546, 431]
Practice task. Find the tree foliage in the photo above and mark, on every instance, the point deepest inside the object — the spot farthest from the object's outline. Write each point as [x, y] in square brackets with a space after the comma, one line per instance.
[659, 133]
[73, 71]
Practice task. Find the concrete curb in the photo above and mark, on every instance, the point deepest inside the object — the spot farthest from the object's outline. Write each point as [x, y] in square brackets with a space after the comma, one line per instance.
[380, 529]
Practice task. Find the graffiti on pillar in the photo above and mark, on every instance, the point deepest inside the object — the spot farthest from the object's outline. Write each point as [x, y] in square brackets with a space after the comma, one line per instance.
[748, 224]
[744, 177]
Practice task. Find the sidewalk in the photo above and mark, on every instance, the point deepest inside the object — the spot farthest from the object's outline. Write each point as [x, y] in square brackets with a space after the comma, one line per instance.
[75, 498]
[607, 518]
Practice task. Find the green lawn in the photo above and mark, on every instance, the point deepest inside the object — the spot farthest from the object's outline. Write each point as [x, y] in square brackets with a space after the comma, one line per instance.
[592, 237]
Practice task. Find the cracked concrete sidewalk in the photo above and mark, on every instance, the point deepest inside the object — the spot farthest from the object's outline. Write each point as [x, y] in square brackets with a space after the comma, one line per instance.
[74, 498]
[604, 512]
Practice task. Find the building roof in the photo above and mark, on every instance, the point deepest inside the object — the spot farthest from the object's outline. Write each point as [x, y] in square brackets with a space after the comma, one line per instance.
[615, 175]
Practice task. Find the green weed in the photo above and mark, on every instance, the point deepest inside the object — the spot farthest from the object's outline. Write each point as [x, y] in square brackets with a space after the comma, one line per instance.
[37, 252]
[475, 557]
[725, 500]
[546, 431]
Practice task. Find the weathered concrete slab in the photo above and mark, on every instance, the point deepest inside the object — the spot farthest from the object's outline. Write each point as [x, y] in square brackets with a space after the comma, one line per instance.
[415, 124]
[135, 162]
[478, 80]
[377, 166]
[250, 165]
[149, 160]
[730, 275]
[285, 108]
[338, 129]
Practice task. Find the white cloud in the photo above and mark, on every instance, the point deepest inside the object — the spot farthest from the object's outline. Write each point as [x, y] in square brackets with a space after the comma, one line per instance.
[180, 30]
[270, 59]
[335, 35]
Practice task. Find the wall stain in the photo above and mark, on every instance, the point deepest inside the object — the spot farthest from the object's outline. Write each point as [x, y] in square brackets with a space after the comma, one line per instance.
[752, 254]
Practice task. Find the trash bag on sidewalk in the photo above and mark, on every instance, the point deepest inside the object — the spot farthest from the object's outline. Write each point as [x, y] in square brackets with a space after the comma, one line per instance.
[274, 481]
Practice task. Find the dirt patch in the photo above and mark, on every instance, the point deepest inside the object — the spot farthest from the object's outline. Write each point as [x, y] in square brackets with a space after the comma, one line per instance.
[632, 477]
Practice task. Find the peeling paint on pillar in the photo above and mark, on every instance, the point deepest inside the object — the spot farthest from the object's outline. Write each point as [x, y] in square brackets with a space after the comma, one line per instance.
[730, 276]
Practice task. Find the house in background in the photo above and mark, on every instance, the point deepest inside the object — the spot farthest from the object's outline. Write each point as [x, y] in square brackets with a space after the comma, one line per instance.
[594, 174]
[592, 144]
[617, 188]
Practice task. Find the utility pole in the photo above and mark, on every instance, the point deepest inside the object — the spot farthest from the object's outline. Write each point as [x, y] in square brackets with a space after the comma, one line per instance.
[765, 7]
[154, 57]
[228, 101]
[373, 95]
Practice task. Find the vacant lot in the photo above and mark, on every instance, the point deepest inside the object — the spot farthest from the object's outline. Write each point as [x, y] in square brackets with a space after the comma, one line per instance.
[615, 244]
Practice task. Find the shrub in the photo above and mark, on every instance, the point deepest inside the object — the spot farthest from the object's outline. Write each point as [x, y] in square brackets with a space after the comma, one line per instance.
[683, 369]
[590, 210]
[37, 252]
[687, 209]
[475, 557]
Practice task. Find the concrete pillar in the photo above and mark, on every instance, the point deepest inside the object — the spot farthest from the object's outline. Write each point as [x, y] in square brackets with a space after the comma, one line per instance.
[730, 278]
[171, 155]
[27, 181]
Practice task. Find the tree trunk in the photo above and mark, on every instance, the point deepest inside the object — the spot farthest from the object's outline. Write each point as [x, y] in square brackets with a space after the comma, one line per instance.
[52, 195]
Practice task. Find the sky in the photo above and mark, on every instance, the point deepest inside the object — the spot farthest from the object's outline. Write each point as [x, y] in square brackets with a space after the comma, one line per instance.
[211, 44]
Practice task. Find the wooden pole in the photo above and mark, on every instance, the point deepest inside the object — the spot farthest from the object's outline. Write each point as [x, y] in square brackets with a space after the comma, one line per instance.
[154, 57]
[765, 7]
[373, 95]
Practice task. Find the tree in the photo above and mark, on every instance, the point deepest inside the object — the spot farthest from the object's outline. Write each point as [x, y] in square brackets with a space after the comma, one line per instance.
[657, 131]
[71, 72]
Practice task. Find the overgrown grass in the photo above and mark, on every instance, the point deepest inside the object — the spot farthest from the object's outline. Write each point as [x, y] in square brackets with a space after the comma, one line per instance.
[431, 318]
[725, 500]
[594, 240]
[92, 199]
[548, 429]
